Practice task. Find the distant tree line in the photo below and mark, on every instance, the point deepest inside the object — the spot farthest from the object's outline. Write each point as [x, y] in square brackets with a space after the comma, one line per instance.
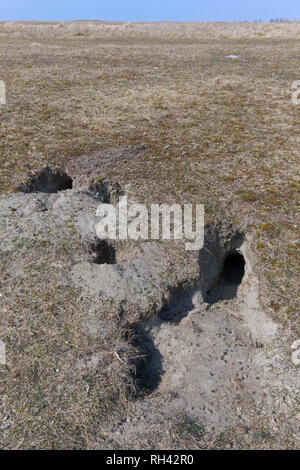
[279, 20]
[274, 20]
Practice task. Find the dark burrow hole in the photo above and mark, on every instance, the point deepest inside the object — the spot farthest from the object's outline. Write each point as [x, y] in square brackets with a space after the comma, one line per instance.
[233, 268]
[102, 252]
[178, 303]
[48, 180]
[148, 362]
[230, 278]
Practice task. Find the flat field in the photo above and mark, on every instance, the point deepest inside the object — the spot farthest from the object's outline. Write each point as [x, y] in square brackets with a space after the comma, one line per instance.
[178, 113]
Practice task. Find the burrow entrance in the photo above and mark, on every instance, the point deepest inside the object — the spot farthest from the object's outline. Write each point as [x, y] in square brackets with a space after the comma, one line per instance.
[48, 180]
[102, 252]
[231, 276]
[233, 268]
[222, 268]
[148, 361]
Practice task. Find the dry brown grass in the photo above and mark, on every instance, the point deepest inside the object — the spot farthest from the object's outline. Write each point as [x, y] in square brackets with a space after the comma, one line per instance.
[47, 400]
[216, 130]
[143, 30]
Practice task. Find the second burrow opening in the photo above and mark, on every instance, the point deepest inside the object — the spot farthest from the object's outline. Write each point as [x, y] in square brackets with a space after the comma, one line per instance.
[102, 252]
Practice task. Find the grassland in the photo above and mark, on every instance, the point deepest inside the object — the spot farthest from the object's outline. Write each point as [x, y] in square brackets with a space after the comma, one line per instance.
[215, 130]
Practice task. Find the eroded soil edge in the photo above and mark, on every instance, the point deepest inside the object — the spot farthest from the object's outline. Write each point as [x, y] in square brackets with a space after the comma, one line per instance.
[193, 340]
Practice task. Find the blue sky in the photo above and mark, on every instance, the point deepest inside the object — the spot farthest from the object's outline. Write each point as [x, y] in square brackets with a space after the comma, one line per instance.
[149, 10]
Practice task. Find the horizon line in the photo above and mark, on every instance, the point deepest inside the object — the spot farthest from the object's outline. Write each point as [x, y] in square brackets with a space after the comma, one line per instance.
[279, 20]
